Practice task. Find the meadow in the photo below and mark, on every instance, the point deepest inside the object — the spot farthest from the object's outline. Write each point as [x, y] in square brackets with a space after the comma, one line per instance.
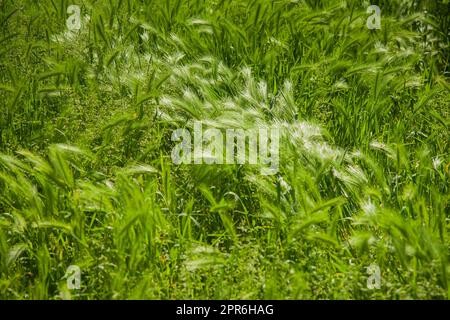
[359, 206]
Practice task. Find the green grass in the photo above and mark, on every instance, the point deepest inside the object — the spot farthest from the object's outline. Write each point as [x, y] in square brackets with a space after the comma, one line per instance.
[86, 176]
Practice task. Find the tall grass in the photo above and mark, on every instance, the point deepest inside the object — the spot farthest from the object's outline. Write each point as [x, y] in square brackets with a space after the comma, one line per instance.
[86, 176]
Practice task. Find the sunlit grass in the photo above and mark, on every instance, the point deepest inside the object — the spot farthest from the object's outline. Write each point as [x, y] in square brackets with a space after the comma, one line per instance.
[86, 176]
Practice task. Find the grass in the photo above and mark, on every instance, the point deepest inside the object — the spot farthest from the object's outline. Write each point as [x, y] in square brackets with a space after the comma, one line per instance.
[86, 176]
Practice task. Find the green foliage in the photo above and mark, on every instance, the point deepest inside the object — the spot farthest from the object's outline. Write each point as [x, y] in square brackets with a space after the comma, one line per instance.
[86, 176]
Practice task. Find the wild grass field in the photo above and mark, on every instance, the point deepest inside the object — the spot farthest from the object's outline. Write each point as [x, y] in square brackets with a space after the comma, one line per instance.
[87, 179]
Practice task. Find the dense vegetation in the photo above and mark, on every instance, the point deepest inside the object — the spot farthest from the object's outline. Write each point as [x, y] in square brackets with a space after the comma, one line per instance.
[86, 176]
